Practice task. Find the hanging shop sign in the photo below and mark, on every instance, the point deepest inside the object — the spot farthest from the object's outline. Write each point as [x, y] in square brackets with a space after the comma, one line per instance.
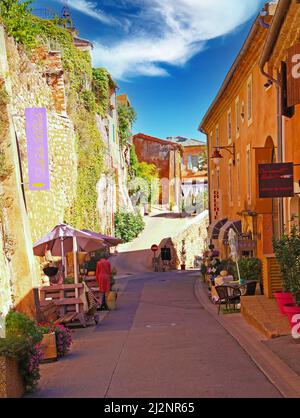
[37, 148]
[217, 204]
[276, 180]
[293, 75]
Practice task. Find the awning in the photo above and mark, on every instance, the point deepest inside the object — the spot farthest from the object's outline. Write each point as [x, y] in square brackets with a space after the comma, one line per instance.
[235, 225]
[214, 228]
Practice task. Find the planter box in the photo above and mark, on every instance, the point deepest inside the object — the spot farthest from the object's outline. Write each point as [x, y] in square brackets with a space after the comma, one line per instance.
[11, 384]
[284, 299]
[48, 346]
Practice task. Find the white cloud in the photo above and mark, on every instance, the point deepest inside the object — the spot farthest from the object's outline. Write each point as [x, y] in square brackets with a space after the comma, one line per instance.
[169, 32]
[90, 8]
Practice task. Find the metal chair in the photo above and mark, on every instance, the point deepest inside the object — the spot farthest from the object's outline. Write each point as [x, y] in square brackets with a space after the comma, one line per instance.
[248, 289]
[228, 296]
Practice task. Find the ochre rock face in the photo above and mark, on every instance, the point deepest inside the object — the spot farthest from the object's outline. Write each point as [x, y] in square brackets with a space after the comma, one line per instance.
[32, 84]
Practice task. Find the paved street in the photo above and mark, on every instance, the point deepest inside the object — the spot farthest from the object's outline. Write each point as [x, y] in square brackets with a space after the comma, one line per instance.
[159, 343]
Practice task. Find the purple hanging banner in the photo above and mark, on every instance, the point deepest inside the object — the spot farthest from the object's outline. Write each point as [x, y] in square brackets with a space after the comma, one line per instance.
[37, 148]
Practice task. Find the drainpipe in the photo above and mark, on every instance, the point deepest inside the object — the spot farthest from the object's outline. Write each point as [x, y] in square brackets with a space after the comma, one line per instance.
[274, 31]
[208, 174]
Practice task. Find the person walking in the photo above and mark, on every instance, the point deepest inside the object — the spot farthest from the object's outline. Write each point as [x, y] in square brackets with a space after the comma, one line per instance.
[103, 274]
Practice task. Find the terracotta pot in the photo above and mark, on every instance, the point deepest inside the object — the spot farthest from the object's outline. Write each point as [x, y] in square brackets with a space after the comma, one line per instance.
[11, 384]
[284, 299]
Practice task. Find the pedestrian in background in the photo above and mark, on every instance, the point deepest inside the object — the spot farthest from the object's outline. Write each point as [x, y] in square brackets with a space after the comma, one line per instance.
[103, 274]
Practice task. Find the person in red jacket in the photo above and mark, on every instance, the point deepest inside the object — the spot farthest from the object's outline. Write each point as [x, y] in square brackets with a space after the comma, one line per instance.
[103, 274]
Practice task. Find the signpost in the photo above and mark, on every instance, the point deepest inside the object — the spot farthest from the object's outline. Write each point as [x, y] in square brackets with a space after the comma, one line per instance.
[276, 180]
[154, 249]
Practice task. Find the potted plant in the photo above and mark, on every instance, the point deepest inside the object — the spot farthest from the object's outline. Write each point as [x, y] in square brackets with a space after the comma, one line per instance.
[250, 270]
[57, 340]
[287, 252]
[21, 346]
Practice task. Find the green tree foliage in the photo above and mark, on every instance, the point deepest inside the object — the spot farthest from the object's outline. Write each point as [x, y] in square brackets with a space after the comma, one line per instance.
[287, 252]
[144, 180]
[127, 116]
[17, 19]
[128, 225]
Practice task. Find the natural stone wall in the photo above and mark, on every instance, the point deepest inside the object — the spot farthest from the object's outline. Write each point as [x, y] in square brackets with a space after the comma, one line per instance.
[30, 89]
[17, 264]
[194, 240]
[11, 385]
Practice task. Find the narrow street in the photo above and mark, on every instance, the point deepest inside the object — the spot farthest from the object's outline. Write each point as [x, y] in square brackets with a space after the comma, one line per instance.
[159, 343]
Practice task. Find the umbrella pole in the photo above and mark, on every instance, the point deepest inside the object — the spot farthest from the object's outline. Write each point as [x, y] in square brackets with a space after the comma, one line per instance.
[75, 263]
[63, 256]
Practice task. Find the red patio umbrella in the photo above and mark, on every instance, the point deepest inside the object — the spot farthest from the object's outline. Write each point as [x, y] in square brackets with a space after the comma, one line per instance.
[109, 241]
[63, 239]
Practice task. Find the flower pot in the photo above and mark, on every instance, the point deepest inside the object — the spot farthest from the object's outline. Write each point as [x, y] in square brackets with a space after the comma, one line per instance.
[183, 267]
[11, 384]
[48, 346]
[111, 300]
[291, 310]
[284, 299]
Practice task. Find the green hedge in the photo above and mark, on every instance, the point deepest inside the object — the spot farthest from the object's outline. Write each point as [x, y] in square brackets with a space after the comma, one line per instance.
[128, 226]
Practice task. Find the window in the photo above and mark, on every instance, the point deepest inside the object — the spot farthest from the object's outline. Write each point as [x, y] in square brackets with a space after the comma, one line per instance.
[249, 101]
[229, 126]
[237, 117]
[217, 135]
[248, 168]
[195, 161]
[238, 169]
[189, 163]
[230, 183]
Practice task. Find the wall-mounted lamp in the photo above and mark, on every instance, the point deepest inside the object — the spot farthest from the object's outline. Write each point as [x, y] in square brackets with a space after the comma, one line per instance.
[217, 156]
[268, 84]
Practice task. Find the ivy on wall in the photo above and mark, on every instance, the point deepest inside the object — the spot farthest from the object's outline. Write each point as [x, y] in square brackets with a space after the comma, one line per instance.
[102, 84]
[127, 117]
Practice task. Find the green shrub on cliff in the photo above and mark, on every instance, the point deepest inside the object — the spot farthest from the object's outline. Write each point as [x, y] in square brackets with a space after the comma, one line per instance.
[128, 226]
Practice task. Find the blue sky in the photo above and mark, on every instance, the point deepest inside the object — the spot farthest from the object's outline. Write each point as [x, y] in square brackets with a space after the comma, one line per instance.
[169, 56]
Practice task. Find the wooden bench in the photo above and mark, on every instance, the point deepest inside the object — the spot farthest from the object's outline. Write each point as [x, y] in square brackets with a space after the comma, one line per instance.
[64, 302]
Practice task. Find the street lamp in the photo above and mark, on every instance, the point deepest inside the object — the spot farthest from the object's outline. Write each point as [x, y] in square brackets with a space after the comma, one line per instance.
[217, 156]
